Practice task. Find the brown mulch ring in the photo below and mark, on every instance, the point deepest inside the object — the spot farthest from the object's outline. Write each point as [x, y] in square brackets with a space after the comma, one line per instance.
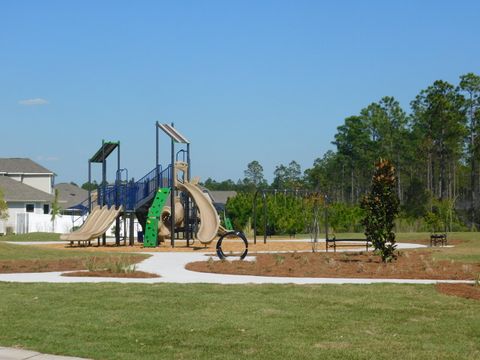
[468, 291]
[106, 273]
[48, 265]
[409, 265]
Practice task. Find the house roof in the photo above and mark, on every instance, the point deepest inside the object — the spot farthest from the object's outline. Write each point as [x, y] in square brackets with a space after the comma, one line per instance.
[21, 166]
[70, 195]
[14, 190]
[221, 196]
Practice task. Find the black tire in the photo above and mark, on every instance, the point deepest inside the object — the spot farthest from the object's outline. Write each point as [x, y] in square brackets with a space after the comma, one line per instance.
[239, 234]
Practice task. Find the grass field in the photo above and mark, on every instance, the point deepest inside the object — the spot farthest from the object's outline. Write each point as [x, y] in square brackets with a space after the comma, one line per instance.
[36, 236]
[174, 321]
[107, 321]
[27, 258]
[468, 250]
[29, 252]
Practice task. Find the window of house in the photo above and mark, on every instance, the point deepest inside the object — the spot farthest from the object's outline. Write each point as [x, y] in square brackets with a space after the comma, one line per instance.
[46, 209]
[30, 208]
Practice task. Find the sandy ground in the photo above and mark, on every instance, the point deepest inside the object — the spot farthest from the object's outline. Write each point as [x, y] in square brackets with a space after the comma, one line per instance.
[228, 246]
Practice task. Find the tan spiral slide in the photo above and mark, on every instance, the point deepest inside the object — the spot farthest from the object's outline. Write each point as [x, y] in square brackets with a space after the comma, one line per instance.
[209, 220]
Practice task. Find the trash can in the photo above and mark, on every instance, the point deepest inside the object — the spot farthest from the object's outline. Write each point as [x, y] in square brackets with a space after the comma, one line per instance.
[140, 236]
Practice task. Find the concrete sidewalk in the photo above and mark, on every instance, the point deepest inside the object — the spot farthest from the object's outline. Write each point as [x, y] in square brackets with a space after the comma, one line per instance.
[170, 266]
[19, 354]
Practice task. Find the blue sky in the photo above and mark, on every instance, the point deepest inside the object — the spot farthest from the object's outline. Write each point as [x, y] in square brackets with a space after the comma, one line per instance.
[243, 80]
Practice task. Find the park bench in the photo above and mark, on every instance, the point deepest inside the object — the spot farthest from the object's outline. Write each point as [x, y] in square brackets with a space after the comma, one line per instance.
[82, 242]
[334, 242]
[436, 238]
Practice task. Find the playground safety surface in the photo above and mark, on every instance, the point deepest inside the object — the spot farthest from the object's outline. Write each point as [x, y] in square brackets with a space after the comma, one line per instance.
[228, 245]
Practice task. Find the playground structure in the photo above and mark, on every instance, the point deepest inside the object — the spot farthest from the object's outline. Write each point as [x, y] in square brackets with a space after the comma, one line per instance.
[166, 202]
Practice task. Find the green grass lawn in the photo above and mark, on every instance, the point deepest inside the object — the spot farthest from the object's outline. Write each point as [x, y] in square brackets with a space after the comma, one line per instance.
[29, 252]
[467, 251]
[169, 321]
[174, 321]
[36, 236]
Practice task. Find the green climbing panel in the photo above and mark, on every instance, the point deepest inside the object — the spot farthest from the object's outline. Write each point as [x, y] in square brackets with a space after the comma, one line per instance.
[154, 213]
[228, 223]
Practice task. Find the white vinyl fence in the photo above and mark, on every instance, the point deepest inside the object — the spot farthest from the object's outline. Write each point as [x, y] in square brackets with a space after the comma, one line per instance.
[31, 222]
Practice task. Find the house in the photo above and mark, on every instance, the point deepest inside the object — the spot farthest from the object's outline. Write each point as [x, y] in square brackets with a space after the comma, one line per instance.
[27, 188]
[72, 198]
[220, 198]
[28, 172]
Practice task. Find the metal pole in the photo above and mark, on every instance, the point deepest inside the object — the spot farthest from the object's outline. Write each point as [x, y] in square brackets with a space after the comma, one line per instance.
[132, 229]
[326, 218]
[264, 217]
[157, 160]
[104, 181]
[89, 186]
[189, 162]
[186, 222]
[172, 194]
[104, 173]
[255, 217]
[117, 197]
[118, 180]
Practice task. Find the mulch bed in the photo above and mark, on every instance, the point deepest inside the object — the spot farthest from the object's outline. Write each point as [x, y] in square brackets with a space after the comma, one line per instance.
[409, 265]
[467, 291]
[134, 274]
[26, 266]
[47, 265]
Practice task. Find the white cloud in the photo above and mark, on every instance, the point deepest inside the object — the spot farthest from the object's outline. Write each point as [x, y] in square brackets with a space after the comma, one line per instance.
[33, 102]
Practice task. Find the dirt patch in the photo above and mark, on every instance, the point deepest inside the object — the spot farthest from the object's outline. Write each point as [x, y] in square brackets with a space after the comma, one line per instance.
[467, 291]
[409, 265]
[133, 274]
[24, 266]
[48, 265]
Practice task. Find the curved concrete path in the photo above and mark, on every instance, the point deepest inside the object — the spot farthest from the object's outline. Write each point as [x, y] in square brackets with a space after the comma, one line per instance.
[20, 354]
[171, 267]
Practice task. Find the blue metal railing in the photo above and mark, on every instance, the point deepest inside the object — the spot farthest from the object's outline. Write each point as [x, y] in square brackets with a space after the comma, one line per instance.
[82, 210]
[130, 195]
[148, 185]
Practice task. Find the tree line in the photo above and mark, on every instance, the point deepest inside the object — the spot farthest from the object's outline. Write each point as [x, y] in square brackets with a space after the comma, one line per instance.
[434, 146]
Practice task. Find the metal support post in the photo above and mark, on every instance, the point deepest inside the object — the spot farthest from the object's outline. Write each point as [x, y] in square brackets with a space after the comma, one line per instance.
[172, 194]
[264, 198]
[89, 186]
[132, 229]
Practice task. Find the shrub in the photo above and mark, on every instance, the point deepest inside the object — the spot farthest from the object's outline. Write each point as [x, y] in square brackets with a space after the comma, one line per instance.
[381, 207]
